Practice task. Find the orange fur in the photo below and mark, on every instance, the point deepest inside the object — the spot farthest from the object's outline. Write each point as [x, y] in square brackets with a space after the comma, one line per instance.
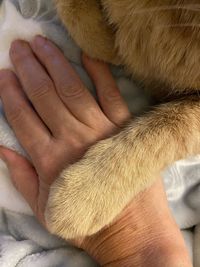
[150, 39]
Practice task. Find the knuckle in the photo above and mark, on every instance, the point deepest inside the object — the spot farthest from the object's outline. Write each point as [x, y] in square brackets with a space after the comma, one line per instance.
[71, 91]
[33, 147]
[62, 130]
[41, 89]
[48, 167]
[111, 94]
[15, 113]
[36, 149]
[44, 163]
[75, 143]
[41, 152]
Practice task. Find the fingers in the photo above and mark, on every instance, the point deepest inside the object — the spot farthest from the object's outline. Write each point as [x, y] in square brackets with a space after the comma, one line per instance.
[22, 174]
[108, 93]
[39, 88]
[68, 84]
[27, 126]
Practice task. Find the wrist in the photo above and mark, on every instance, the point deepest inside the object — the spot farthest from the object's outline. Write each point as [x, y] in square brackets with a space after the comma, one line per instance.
[114, 244]
[140, 236]
[130, 232]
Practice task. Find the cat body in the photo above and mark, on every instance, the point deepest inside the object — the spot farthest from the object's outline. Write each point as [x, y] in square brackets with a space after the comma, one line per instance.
[158, 43]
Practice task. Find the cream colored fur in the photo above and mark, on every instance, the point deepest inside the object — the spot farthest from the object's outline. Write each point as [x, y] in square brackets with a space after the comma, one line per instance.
[151, 41]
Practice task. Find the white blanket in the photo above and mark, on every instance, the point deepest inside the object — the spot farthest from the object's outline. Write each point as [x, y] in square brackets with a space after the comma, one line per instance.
[23, 242]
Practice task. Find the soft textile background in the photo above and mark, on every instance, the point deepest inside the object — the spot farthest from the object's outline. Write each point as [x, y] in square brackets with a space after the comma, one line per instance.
[23, 242]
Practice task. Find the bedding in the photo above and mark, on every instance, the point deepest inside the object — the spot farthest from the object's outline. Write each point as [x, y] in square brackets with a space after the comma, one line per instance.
[23, 242]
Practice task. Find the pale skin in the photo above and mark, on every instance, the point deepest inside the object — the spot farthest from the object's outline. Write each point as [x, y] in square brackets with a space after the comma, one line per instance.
[65, 122]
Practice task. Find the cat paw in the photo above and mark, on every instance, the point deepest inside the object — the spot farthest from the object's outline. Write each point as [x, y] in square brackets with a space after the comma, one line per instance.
[89, 194]
[97, 41]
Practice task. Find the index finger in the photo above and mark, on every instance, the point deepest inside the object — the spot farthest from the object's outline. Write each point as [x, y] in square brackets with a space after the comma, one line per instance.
[69, 86]
[39, 88]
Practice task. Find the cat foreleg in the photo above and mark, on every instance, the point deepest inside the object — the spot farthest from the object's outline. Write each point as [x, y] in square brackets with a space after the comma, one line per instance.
[89, 194]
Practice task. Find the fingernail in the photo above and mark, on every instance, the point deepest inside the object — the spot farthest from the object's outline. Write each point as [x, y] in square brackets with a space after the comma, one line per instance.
[39, 41]
[86, 56]
[16, 46]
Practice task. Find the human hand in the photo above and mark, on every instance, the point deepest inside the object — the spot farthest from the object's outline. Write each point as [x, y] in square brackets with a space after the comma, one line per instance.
[65, 121]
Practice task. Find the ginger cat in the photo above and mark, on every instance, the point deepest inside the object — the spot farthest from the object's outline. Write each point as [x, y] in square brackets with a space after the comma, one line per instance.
[158, 42]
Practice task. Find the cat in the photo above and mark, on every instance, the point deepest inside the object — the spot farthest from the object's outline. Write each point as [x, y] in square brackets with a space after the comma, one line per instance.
[158, 43]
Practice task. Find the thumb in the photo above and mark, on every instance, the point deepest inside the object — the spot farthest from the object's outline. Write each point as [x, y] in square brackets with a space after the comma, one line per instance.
[23, 175]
